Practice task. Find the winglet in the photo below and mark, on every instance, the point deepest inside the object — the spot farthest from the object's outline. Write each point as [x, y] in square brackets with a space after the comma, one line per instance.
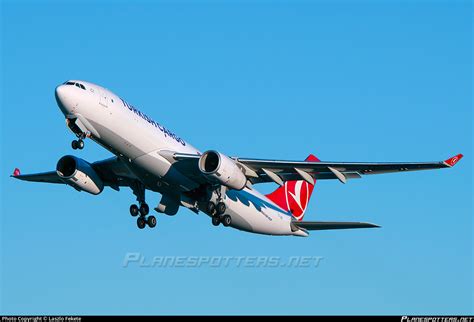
[452, 161]
[16, 172]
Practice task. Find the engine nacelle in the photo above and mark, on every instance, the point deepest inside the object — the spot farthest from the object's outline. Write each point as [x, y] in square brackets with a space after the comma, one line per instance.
[79, 174]
[222, 169]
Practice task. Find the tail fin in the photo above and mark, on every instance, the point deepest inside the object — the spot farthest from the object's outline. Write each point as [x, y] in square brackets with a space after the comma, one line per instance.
[294, 196]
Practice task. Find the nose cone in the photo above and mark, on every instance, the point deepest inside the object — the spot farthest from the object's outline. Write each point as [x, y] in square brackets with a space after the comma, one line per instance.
[64, 98]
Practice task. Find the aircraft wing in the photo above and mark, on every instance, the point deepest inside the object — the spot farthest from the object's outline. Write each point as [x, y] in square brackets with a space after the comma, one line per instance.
[326, 225]
[49, 177]
[259, 170]
[112, 171]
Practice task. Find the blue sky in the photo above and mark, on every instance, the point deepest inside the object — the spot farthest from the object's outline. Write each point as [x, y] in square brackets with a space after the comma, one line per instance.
[345, 80]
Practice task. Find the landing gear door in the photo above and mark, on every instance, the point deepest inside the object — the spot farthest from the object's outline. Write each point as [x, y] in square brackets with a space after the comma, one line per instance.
[103, 97]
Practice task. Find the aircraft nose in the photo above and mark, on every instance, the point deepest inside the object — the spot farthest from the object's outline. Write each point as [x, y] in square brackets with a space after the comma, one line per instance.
[63, 99]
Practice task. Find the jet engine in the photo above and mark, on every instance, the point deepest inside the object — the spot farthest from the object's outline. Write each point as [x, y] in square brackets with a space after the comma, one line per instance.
[79, 174]
[222, 169]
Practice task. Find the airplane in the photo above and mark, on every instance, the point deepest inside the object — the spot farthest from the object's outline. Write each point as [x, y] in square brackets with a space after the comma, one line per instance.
[149, 156]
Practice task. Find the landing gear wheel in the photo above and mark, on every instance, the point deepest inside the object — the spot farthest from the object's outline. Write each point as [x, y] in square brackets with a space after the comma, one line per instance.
[144, 209]
[134, 210]
[151, 221]
[226, 220]
[220, 208]
[211, 208]
[77, 144]
[141, 222]
[216, 220]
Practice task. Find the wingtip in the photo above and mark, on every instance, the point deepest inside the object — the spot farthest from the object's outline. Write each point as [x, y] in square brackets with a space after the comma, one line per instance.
[371, 225]
[16, 172]
[453, 160]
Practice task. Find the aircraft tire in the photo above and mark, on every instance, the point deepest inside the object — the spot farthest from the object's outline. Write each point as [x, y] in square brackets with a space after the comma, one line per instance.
[151, 221]
[226, 220]
[134, 210]
[216, 220]
[141, 222]
[211, 208]
[221, 208]
[144, 209]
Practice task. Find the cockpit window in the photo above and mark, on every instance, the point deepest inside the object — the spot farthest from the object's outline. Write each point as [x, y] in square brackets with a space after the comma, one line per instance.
[76, 84]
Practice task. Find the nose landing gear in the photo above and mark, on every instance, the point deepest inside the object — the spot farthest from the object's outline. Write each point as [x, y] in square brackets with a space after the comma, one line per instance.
[79, 131]
[77, 144]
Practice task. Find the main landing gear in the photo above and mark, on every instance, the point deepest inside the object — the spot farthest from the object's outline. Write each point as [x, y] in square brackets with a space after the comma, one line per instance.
[217, 210]
[142, 213]
[217, 213]
[142, 210]
[226, 220]
[150, 221]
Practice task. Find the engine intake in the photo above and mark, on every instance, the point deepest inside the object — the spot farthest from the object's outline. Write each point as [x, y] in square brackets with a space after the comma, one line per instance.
[79, 174]
[222, 169]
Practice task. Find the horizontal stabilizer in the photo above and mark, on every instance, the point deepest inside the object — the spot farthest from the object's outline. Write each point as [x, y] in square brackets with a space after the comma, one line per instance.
[325, 225]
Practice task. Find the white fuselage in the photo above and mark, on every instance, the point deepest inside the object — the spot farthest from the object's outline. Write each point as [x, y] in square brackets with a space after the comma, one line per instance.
[140, 141]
